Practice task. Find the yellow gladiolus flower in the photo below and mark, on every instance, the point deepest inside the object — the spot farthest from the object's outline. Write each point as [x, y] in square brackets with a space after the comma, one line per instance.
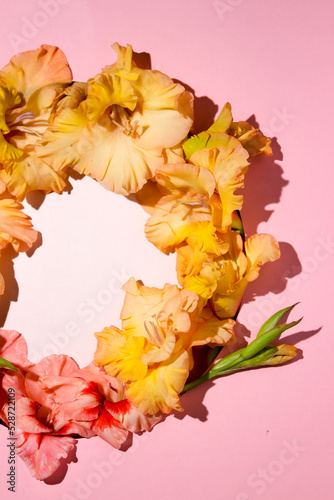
[224, 132]
[152, 354]
[28, 86]
[197, 200]
[120, 132]
[223, 279]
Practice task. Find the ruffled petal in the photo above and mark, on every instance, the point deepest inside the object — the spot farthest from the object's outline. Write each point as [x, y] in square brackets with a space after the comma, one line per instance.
[110, 429]
[142, 303]
[164, 110]
[59, 145]
[31, 70]
[55, 364]
[229, 167]
[111, 157]
[214, 331]
[120, 356]
[129, 416]
[42, 453]
[107, 90]
[15, 226]
[159, 390]
[30, 173]
[260, 248]
[13, 348]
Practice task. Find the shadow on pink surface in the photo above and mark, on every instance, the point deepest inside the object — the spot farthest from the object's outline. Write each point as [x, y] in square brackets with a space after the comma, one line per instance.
[11, 293]
[61, 472]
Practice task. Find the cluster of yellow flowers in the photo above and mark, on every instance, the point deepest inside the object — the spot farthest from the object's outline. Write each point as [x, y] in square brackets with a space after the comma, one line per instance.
[129, 129]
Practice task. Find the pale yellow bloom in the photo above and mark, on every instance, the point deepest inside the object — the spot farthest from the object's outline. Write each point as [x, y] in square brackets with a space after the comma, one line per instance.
[119, 134]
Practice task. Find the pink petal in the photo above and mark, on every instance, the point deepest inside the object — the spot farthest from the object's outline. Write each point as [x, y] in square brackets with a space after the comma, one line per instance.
[42, 453]
[13, 347]
[55, 364]
[83, 429]
[109, 429]
[27, 420]
[129, 416]
[107, 385]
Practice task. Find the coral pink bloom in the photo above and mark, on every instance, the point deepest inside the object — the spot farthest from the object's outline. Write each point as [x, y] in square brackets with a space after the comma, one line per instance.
[55, 399]
[13, 348]
[36, 443]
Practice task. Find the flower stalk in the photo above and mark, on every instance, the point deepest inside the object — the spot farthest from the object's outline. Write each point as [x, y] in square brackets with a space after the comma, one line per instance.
[257, 353]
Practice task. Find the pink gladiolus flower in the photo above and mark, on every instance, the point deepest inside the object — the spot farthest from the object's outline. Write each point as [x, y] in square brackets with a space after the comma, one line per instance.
[55, 399]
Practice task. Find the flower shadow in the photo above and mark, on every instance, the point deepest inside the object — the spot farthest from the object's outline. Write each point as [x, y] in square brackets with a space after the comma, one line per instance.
[58, 476]
[11, 292]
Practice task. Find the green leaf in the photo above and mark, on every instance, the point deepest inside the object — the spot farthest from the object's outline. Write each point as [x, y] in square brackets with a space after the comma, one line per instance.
[273, 320]
[6, 364]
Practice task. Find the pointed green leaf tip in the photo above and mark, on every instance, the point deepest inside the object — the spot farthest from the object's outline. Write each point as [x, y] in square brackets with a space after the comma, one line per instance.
[6, 364]
[273, 320]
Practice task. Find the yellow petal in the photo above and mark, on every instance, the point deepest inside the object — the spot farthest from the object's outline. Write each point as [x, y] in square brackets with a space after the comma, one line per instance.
[164, 110]
[58, 146]
[110, 156]
[224, 120]
[141, 303]
[107, 90]
[174, 220]
[9, 98]
[229, 167]
[184, 176]
[160, 389]
[120, 355]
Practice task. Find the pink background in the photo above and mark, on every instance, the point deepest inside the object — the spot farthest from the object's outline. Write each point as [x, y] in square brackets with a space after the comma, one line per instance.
[260, 434]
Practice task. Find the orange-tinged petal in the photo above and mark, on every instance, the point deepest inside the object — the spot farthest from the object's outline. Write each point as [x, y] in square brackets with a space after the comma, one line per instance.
[30, 173]
[251, 138]
[227, 304]
[148, 196]
[31, 70]
[260, 248]
[15, 226]
[214, 331]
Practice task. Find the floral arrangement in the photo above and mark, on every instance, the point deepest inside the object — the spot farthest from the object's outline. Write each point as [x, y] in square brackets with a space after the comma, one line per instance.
[130, 130]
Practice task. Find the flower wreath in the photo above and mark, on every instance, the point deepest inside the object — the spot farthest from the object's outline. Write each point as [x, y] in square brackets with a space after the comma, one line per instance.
[129, 129]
